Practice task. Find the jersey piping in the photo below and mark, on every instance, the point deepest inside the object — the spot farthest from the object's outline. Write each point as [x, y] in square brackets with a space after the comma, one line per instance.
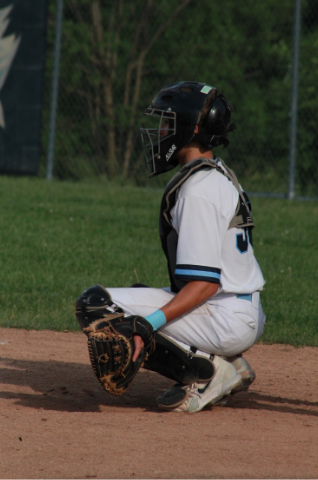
[197, 272]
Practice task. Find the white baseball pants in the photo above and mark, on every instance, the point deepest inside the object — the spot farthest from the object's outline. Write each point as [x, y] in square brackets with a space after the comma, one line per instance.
[224, 325]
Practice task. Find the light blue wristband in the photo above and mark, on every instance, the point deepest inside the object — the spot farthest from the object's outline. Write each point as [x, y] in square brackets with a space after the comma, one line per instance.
[157, 319]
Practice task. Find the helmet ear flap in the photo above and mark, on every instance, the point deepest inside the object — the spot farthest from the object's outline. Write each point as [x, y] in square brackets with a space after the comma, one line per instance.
[218, 118]
[217, 123]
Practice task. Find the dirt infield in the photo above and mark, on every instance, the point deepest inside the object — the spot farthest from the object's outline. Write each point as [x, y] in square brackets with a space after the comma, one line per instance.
[58, 422]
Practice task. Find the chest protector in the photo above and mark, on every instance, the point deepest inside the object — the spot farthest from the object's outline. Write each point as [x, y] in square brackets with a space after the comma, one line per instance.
[169, 237]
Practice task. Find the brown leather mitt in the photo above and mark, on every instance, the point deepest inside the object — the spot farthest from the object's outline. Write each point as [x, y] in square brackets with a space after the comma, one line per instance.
[111, 348]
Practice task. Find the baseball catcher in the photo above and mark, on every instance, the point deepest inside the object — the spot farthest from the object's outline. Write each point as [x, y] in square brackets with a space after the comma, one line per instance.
[194, 331]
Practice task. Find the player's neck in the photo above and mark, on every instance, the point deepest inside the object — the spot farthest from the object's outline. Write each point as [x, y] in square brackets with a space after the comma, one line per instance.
[191, 151]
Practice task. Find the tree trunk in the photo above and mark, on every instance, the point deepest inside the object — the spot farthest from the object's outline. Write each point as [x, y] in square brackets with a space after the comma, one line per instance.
[107, 88]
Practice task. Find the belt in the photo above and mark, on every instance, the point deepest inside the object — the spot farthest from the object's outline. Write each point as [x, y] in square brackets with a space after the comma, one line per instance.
[245, 296]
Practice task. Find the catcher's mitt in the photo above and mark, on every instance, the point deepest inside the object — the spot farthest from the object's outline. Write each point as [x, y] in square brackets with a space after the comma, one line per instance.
[111, 348]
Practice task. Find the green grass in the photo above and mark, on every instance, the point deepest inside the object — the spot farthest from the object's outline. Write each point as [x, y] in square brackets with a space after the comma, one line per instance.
[59, 238]
[285, 243]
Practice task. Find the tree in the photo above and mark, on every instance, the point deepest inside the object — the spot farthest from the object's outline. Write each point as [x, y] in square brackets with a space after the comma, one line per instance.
[117, 54]
[109, 43]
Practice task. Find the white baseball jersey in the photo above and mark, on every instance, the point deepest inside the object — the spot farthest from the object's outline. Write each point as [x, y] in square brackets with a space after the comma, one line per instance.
[207, 249]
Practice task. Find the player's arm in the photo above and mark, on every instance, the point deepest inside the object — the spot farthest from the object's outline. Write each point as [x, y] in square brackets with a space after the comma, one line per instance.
[190, 296]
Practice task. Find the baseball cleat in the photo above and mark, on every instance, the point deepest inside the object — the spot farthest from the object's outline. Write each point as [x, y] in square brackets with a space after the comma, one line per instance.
[247, 374]
[173, 397]
[247, 377]
[198, 395]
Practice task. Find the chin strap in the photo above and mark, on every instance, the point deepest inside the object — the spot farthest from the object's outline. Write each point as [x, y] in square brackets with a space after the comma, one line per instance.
[211, 141]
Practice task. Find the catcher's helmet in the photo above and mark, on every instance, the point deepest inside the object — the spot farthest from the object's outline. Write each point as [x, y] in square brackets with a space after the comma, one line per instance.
[178, 108]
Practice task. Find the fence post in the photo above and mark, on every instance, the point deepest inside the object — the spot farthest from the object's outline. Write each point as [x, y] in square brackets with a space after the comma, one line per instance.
[294, 102]
[54, 89]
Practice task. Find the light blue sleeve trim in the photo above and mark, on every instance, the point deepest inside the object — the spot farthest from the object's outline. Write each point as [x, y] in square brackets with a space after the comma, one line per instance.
[157, 319]
[197, 273]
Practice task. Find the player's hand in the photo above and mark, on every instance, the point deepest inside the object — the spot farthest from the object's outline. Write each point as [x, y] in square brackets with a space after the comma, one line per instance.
[139, 344]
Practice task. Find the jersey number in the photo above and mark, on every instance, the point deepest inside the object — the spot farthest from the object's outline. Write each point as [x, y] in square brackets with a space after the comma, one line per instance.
[242, 241]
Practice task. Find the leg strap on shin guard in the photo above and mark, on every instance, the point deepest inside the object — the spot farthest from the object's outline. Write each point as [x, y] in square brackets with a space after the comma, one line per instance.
[172, 361]
[93, 304]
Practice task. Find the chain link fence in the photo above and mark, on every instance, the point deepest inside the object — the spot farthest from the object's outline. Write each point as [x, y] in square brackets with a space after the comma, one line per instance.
[116, 54]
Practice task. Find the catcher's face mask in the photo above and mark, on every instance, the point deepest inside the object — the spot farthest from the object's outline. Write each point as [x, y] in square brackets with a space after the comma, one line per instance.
[158, 139]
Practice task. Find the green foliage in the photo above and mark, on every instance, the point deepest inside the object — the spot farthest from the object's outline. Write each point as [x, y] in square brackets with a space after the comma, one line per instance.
[117, 54]
[307, 168]
[59, 238]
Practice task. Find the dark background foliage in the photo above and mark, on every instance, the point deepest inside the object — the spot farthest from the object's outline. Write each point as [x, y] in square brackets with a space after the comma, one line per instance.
[116, 54]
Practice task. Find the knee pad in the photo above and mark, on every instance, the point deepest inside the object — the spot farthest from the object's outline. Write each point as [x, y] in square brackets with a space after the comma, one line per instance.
[93, 304]
[178, 364]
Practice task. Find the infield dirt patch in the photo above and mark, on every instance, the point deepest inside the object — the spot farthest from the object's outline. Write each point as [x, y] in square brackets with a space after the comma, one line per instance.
[58, 422]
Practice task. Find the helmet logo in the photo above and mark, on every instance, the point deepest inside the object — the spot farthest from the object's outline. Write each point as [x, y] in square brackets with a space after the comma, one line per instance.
[171, 152]
[206, 89]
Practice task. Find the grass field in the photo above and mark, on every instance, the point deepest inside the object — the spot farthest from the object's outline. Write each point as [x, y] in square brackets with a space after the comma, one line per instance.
[59, 238]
